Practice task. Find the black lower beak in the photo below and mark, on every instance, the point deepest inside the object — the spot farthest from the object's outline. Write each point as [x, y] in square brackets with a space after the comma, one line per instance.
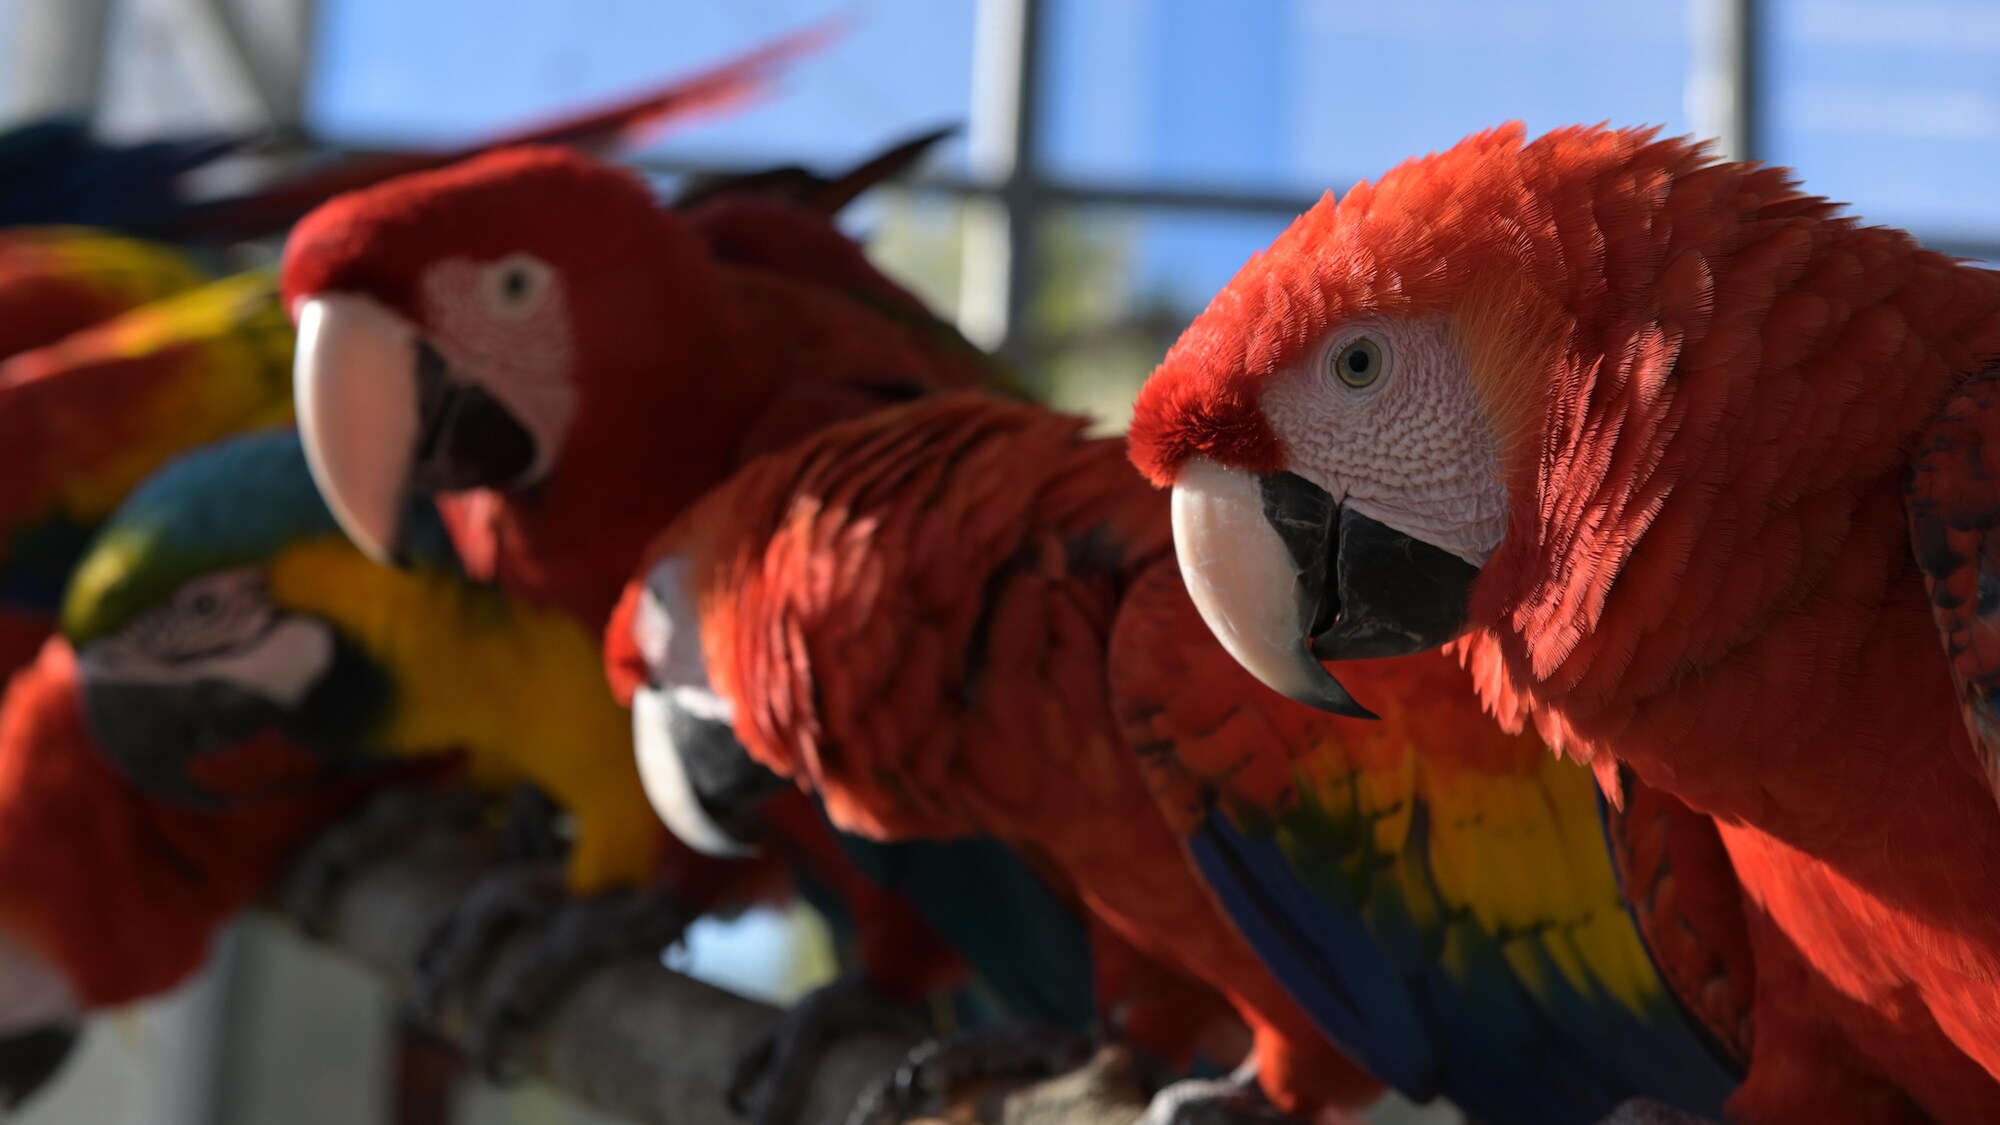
[465, 436]
[730, 784]
[153, 732]
[30, 1058]
[1364, 589]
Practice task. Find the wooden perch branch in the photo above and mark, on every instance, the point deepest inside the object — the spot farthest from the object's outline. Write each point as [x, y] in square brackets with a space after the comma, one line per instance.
[633, 1038]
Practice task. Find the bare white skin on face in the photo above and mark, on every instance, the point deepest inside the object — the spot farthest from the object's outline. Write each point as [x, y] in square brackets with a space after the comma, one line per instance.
[219, 626]
[667, 631]
[1381, 413]
[33, 993]
[505, 324]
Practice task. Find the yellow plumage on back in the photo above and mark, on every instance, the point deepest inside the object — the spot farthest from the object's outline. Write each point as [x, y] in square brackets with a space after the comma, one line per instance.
[520, 691]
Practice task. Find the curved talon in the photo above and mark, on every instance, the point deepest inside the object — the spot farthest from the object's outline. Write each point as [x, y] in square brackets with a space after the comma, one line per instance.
[921, 1085]
[467, 937]
[768, 1084]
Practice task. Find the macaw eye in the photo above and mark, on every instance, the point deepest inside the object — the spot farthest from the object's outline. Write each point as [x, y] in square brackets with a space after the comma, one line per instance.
[209, 614]
[1359, 362]
[516, 284]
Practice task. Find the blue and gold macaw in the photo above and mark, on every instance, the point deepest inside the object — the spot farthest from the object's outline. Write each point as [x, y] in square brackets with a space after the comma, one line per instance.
[1444, 898]
[222, 599]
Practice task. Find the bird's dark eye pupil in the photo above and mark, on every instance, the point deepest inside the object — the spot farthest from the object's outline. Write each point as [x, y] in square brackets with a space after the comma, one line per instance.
[204, 604]
[514, 284]
[1357, 361]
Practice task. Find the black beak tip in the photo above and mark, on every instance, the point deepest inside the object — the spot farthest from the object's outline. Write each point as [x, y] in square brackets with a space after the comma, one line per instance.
[1334, 699]
[29, 1059]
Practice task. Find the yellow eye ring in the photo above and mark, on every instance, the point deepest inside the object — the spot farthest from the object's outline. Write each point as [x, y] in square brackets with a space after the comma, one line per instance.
[1358, 363]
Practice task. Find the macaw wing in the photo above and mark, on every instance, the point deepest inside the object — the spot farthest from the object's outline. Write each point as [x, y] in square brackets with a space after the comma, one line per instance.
[1681, 887]
[59, 280]
[1952, 499]
[84, 420]
[1437, 894]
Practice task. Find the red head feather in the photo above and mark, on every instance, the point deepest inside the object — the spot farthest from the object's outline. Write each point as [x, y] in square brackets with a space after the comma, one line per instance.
[1563, 220]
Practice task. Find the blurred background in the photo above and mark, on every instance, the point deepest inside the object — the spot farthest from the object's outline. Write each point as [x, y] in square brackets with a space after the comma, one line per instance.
[1121, 158]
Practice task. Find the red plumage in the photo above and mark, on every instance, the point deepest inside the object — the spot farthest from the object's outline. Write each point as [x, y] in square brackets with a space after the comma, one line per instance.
[1705, 387]
[122, 891]
[912, 612]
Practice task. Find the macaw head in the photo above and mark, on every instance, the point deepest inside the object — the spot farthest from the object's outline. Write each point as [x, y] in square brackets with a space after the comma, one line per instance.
[221, 603]
[701, 780]
[507, 325]
[1403, 418]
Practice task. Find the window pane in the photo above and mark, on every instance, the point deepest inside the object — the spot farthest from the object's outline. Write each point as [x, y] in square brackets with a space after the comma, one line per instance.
[409, 71]
[1119, 285]
[1311, 94]
[1894, 106]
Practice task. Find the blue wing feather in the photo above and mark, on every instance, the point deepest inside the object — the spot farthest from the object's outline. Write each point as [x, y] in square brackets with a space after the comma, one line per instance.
[1352, 952]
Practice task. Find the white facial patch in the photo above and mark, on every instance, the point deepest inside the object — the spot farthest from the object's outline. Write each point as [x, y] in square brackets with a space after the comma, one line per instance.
[1411, 450]
[217, 627]
[504, 325]
[33, 993]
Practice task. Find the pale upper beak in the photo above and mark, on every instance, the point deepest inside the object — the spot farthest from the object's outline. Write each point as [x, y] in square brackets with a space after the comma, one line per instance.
[659, 727]
[1285, 577]
[355, 380]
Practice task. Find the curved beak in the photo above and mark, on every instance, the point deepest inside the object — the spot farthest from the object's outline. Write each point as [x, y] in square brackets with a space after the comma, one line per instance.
[28, 1059]
[696, 774]
[355, 382]
[1286, 577]
[384, 417]
[159, 722]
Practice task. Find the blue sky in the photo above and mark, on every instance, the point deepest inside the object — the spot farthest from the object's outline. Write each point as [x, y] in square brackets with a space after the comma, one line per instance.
[1893, 105]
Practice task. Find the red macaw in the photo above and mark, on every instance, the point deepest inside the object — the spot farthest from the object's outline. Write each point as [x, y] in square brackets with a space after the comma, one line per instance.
[910, 613]
[566, 363]
[468, 333]
[1684, 462]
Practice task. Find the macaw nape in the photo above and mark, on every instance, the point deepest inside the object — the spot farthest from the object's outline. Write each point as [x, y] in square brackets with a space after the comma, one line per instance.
[221, 601]
[108, 894]
[1690, 470]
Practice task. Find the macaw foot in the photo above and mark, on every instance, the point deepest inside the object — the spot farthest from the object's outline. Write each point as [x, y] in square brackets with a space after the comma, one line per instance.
[501, 902]
[1645, 1111]
[582, 934]
[1235, 1100]
[769, 1082]
[923, 1084]
[383, 826]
